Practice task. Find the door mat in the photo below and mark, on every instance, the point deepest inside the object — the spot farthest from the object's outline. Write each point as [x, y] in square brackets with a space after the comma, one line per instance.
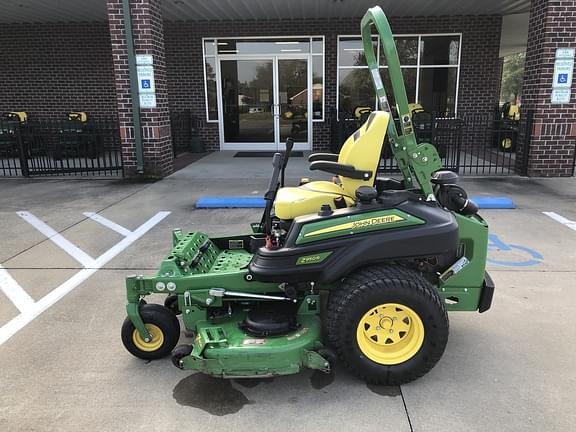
[266, 154]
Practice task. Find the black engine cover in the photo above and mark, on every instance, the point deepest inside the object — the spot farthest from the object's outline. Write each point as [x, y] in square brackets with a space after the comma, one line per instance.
[437, 237]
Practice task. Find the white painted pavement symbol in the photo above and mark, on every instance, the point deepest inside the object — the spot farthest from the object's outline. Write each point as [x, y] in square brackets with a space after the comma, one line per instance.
[14, 291]
[67, 246]
[108, 223]
[558, 218]
[34, 309]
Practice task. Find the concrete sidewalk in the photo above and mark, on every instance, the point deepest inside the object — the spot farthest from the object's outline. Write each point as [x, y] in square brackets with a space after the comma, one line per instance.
[511, 369]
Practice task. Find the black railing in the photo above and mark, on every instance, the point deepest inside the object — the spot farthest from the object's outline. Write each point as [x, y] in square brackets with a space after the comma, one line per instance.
[47, 147]
[475, 144]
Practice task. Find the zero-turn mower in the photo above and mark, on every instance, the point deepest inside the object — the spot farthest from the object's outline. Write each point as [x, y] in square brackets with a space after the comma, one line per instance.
[391, 256]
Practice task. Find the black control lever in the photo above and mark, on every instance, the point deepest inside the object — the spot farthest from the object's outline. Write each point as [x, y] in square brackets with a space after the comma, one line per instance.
[287, 153]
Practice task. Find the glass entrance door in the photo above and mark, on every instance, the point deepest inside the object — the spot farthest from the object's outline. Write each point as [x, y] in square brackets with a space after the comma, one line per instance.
[263, 102]
[293, 100]
[248, 101]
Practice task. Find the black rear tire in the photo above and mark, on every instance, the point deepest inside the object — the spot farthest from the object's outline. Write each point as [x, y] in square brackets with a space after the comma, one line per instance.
[368, 288]
[163, 325]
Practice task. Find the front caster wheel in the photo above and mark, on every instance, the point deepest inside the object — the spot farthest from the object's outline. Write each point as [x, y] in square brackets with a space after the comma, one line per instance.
[162, 325]
[179, 353]
[387, 324]
[171, 302]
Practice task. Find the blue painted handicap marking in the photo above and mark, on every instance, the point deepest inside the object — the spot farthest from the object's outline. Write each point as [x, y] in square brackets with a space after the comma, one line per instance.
[562, 78]
[145, 83]
[520, 256]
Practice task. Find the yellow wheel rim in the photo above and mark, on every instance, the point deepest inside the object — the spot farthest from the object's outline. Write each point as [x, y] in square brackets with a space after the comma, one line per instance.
[390, 334]
[154, 344]
[506, 143]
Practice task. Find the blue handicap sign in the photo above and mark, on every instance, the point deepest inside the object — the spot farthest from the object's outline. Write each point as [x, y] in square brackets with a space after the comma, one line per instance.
[562, 78]
[145, 83]
[496, 244]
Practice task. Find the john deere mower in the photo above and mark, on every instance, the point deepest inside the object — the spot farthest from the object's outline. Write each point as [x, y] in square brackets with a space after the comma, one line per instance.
[389, 256]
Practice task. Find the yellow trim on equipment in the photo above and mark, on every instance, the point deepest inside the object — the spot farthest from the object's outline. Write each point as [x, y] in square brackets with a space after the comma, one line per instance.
[78, 115]
[22, 115]
[506, 143]
[154, 344]
[390, 334]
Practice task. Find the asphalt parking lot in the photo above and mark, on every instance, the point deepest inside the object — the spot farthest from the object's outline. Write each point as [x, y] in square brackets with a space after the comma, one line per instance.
[63, 366]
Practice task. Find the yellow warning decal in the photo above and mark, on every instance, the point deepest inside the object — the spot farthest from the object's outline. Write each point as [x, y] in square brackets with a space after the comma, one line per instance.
[363, 223]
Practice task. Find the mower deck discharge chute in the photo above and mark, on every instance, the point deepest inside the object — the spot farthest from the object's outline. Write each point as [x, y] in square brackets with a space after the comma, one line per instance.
[391, 256]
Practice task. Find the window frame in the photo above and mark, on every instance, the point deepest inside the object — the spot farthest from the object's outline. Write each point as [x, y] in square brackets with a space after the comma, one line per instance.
[417, 66]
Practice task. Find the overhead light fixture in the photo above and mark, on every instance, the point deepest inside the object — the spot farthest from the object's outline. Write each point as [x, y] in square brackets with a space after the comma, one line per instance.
[228, 51]
[287, 43]
[353, 49]
[222, 43]
[291, 50]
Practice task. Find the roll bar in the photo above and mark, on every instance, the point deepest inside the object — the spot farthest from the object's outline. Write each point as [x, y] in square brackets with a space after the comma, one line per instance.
[416, 161]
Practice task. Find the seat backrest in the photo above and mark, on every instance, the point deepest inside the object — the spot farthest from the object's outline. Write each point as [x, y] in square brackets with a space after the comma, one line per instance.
[363, 149]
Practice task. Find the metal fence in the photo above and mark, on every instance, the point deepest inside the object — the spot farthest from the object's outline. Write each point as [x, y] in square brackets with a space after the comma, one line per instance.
[50, 147]
[475, 145]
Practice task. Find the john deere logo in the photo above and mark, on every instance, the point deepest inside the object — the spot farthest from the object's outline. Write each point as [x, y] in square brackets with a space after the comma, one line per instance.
[363, 223]
[376, 221]
[313, 259]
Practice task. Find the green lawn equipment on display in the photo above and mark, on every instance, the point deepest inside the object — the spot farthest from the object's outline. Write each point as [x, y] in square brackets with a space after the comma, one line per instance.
[390, 256]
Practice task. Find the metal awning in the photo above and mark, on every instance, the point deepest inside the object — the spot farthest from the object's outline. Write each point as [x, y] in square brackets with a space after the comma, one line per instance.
[15, 11]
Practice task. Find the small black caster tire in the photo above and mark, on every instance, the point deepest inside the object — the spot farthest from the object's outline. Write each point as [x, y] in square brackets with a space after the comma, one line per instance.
[161, 323]
[171, 302]
[179, 353]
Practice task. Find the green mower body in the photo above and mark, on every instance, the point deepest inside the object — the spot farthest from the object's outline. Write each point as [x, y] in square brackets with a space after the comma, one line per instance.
[367, 283]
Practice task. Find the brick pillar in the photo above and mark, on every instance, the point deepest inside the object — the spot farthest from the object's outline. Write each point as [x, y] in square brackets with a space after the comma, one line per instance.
[552, 25]
[148, 34]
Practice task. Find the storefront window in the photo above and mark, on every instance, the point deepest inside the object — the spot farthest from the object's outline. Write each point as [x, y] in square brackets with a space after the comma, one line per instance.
[439, 50]
[430, 66]
[438, 90]
[407, 48]
[351, 52]
[409, 75]
[211, 92]
[262, 46]
[355, 91]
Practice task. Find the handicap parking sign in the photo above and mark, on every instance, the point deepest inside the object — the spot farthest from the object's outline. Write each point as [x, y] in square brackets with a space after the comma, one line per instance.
[145, 83]
[562, 78]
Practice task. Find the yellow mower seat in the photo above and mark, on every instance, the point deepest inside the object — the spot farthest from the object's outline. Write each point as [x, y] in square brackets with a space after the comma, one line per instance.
[362, 150]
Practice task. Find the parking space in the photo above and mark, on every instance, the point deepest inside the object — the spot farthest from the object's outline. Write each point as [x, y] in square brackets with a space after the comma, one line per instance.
[511, 368]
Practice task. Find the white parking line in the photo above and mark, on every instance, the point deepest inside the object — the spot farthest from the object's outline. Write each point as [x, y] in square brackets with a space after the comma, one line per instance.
[108, 223]
[17, 323]
[566, 222]
[14, 291]
[67, 246]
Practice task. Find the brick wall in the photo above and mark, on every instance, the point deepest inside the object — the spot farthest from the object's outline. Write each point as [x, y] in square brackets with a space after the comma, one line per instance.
[479, 73]
[148, 39]
[552, 25]
[75, 59]
[52, 69]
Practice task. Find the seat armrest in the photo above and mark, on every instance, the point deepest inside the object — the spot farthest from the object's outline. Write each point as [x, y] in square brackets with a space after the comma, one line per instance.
[340, 169]
[331, 157]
